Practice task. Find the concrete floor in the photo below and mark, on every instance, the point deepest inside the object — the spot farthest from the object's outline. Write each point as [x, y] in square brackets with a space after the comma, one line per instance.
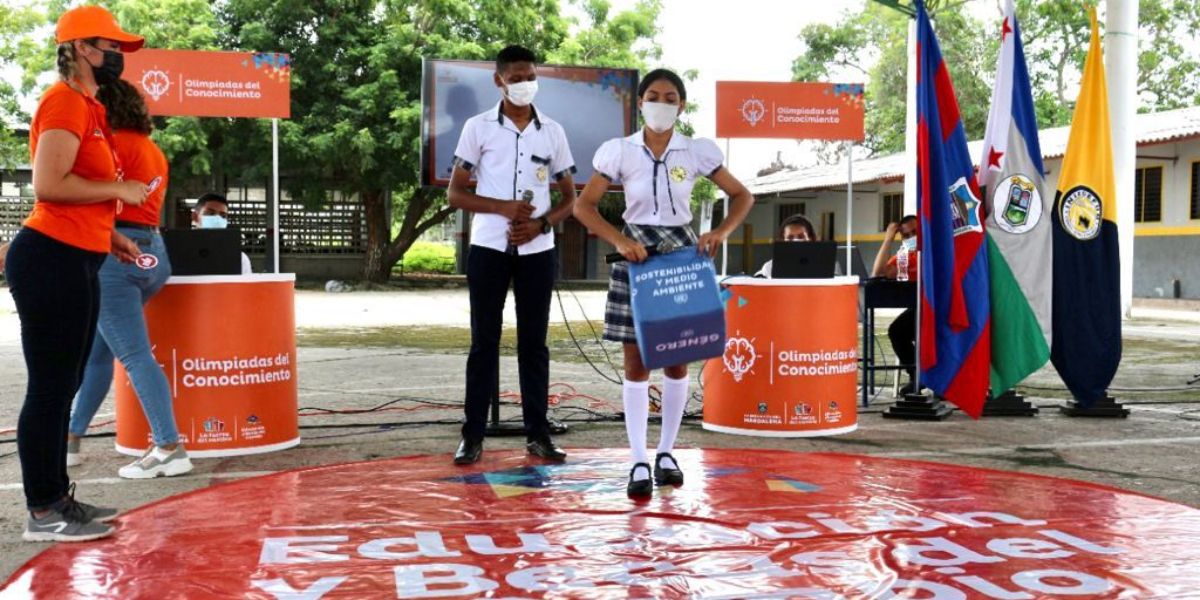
[1155, 451]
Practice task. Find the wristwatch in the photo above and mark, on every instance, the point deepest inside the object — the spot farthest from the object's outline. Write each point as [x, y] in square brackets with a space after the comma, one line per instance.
[546, 227]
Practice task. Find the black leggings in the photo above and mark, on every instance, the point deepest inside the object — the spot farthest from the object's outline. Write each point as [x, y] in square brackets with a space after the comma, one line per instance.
[57, 292]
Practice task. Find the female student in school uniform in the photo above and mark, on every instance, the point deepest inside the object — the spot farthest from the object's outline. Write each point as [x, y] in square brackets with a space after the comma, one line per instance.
[658, 167]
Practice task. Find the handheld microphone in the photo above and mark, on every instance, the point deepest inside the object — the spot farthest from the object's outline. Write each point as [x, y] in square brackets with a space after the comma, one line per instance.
[525, 197]
[663, 247]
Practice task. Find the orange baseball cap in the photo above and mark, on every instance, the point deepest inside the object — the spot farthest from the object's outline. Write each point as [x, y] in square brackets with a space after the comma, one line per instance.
[95, 22]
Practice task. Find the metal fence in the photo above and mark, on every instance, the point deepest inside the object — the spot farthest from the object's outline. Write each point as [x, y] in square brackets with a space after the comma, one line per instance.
[337, 227]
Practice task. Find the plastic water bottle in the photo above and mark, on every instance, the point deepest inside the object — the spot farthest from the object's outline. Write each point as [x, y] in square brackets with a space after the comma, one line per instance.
[902, 264]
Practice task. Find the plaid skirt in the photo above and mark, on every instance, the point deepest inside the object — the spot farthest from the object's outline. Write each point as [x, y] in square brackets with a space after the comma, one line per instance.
[618, 313]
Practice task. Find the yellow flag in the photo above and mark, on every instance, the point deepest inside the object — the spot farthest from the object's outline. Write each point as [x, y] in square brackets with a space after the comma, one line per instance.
[1086, 340]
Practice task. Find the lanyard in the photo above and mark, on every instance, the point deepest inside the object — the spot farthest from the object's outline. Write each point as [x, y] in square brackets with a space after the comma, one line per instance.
[102, 124]
[663, 164]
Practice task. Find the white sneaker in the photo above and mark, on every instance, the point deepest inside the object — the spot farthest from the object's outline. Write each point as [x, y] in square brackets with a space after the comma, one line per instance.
[74, 458]
[157, 462]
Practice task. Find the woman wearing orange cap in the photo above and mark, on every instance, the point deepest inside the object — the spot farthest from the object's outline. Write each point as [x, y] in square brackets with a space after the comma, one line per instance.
[53, 262]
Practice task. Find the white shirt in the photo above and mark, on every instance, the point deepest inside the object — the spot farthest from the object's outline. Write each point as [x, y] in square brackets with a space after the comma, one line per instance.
[658, 192]
[506, 163]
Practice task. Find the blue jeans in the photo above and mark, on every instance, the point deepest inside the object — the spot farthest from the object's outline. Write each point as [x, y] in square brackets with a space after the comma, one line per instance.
[124, 289]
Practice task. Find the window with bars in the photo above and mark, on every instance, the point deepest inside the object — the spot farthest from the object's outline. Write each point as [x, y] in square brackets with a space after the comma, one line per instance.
[891, 210]
[787, 210]
[1147, 190]
[1195, 213]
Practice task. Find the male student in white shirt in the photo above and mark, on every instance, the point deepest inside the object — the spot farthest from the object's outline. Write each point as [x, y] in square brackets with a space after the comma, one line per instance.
[516, 153]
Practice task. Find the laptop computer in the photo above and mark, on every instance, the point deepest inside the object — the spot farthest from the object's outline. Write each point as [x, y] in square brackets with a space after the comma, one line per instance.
[858, 267]
[803, 260]
[204, 251]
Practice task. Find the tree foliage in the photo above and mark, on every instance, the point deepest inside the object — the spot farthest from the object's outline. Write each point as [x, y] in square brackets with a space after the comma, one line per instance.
[356, 87]
[870, 44]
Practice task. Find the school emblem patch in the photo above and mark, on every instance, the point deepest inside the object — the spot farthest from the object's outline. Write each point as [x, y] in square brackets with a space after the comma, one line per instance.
[964, 208]
[1018, 204]
[543, 173]
[1081, 213]
[678, 174]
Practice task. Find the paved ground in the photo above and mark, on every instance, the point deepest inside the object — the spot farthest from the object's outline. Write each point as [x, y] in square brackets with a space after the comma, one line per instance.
[1155, 451]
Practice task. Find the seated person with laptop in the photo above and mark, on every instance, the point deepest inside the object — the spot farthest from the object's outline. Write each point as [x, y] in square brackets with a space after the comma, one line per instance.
[903, 331]
[210, 247]
[814, 260]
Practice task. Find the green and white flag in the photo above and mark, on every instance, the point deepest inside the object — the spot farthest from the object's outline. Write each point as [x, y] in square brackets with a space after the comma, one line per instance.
[1019, 223]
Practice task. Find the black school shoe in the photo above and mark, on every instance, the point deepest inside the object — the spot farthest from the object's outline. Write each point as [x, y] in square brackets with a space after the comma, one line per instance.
[640, 487]
[666, 476]
[468, 452]
[545, 448]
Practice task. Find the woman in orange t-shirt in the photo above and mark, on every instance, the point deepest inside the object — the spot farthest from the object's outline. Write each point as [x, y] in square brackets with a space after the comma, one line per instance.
[124, 288]
[53, 263]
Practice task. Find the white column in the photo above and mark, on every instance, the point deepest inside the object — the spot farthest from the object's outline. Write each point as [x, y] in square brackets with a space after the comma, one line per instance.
[275, 190]
[910, 128]
[1121, 61]
[849, 206]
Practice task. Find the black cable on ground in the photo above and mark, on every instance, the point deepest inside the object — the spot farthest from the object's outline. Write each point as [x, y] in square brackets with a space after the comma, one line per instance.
[595, 337]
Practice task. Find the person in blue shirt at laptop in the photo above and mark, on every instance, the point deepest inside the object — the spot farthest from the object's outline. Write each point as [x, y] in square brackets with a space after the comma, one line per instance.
[212, 212]
[796, 228]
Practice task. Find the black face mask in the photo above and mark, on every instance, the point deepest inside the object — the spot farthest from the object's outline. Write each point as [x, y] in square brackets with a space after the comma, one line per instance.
[110, 68]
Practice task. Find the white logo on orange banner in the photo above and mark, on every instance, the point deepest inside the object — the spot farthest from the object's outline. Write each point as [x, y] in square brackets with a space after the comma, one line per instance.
[753, 111]
[739, 357]
[156, 83]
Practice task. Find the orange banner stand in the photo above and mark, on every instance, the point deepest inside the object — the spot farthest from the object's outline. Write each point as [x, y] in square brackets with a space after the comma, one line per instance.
[212, 84]
[796, 110]
[790, 367]
[228, 347]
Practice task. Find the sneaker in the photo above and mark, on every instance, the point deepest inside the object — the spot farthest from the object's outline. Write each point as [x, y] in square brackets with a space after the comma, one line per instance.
[74, 459]
[64, 525]
[157, 462]
[87, 512]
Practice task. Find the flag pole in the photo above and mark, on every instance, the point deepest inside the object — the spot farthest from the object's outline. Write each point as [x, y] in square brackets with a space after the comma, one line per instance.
[725, 215]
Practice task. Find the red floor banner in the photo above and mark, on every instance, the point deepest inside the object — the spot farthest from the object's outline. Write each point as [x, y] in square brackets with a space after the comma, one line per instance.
[747, 524]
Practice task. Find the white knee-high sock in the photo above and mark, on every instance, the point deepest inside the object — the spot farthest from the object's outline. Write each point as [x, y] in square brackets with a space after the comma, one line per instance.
[674, 400]
[636, 396]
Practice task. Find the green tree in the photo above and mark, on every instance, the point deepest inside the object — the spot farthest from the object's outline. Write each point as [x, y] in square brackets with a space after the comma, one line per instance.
[870, 43]
[17, 24]
[356, 81]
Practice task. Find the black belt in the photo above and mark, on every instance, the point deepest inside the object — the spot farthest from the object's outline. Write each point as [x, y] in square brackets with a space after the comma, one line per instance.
[133, 225]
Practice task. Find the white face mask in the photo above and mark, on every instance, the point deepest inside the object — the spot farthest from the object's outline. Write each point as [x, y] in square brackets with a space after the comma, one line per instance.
[659, 116]
[522, 93]
[213, 222]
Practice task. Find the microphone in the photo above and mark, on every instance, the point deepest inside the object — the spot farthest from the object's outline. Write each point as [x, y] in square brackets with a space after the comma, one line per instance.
[663, 247]
[512, 248]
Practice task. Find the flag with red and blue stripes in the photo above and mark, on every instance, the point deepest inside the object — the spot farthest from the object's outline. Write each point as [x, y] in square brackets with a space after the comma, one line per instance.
[955, 312]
